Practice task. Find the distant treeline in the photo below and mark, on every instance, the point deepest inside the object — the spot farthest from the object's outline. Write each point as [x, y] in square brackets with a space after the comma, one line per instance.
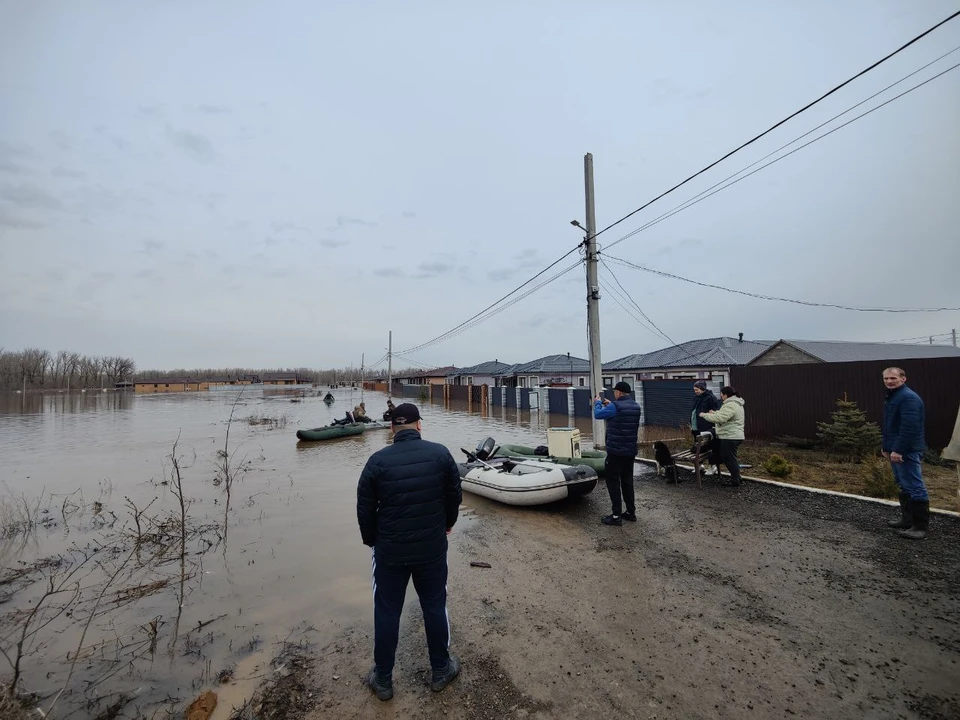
[36, 369]
[322, 377]
[40, 369]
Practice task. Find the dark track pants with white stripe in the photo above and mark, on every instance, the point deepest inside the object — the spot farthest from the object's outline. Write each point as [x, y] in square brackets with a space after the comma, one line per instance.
[389, 588]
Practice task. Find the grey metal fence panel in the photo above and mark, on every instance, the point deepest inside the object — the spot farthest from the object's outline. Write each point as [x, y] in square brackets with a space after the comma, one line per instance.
[582, 403]
[558, 401]
[667, 403]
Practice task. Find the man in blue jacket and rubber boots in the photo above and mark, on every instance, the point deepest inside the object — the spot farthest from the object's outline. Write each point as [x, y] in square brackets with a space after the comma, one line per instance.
[408, 499]
[903, 446]
[623, 426]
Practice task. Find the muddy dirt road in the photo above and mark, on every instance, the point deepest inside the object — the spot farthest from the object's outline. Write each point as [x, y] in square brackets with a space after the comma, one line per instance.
[759, 602]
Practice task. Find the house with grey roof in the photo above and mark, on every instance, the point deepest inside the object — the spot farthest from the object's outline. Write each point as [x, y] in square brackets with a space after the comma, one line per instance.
[484, 373]
[554, 370]
[796, 352]
[706, 359]
[436, 376]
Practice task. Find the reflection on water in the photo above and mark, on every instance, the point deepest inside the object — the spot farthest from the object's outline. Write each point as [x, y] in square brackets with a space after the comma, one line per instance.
[293, 556]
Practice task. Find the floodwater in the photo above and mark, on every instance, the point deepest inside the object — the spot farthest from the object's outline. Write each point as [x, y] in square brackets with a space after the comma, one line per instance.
[290, 565]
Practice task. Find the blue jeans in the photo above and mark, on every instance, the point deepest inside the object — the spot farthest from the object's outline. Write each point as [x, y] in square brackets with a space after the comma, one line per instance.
[389, 588]
[909, 477]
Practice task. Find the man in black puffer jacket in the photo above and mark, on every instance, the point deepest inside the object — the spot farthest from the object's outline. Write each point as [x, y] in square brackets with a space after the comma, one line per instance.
[408, 499]
[623, 426]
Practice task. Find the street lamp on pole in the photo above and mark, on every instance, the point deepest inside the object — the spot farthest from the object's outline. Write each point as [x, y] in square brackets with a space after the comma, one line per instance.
[571, 369]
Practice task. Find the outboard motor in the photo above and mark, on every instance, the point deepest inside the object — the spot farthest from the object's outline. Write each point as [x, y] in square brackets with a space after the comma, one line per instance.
[485, 448]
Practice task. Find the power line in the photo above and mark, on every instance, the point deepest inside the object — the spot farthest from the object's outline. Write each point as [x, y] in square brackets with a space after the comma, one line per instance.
[417, 363]
[774, 127]
[921, 337]
[703, 195]
[758, 296]
[628, 310]
[378, 362]
[686, 355]
[477, 319]
[649, 324]
[514, 301]
[454, 330]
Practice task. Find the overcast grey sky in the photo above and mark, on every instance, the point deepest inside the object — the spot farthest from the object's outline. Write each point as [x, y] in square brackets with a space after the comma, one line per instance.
[280, 184]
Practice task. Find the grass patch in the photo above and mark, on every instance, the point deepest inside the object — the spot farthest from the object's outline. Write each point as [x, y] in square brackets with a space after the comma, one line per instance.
[814, 468]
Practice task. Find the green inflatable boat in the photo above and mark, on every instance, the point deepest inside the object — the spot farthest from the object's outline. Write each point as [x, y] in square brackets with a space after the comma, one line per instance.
[331, 432]
[595, 459]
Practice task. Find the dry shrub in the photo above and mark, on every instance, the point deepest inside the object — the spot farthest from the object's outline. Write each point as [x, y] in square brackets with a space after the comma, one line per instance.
[777, 466]
[878, 480]
[11, 707]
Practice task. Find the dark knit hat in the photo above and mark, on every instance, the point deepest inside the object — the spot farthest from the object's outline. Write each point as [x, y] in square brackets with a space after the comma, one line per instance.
[622, 387]
[702, 384]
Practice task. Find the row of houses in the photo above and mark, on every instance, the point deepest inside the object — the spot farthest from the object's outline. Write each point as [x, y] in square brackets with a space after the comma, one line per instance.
[705, 359]
[791, 385]
[175, 384]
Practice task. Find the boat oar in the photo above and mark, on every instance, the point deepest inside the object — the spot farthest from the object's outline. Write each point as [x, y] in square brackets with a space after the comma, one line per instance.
[473, 458]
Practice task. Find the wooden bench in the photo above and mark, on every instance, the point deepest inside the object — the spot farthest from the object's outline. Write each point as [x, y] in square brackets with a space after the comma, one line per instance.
[698, 458]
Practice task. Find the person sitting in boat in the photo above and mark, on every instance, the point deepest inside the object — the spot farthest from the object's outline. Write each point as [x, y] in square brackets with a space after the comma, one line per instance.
[347, 420]
[360, 414]
[329, 396]
[388, 413]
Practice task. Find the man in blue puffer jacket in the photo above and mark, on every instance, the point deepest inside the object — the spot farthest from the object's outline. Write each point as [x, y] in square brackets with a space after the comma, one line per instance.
[623, 426]
[903, 446]
[408, 499]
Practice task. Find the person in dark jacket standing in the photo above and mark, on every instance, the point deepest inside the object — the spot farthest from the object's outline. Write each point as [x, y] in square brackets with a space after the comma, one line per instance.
[623, 426]
[704, 401]
[408, 499]
[903, 446]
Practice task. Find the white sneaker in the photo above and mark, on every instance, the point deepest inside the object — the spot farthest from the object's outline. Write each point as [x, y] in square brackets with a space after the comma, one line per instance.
[712, 471]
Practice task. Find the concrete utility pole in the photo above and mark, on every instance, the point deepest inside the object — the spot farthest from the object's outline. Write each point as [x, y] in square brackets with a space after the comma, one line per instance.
[593, 299]
[954, 334]
[361, 370]
[390, 364]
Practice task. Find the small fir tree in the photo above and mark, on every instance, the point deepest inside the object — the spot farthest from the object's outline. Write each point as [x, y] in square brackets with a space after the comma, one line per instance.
[849, 434]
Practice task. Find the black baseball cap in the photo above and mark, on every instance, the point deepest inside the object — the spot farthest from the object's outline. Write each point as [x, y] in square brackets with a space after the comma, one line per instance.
[405, 414]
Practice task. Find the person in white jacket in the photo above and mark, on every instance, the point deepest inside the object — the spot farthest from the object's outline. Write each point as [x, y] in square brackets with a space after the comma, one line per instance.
[730, 421]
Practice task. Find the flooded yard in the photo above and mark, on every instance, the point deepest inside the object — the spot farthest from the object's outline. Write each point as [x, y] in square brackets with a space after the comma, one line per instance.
[288, 566]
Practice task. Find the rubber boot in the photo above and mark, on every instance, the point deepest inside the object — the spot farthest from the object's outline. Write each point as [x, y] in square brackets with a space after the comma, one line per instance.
[906, 514]
[921, 520]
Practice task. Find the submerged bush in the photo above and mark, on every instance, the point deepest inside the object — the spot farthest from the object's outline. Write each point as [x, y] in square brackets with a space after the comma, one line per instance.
[777, 466]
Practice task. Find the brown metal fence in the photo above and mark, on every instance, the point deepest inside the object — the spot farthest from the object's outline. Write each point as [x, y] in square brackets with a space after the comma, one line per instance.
[791, 399]
[459, 392]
